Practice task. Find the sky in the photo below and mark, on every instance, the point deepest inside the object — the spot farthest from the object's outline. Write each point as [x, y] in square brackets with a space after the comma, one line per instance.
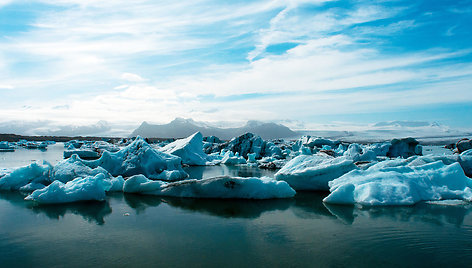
[80, 62]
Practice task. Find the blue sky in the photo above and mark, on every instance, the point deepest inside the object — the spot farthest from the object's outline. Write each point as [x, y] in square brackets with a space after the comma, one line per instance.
[317, 62]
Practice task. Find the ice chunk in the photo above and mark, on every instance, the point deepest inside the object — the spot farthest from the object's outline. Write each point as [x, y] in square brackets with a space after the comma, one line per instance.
[380, 149]
[404, 148]
[22, 176]
[313, 172]
[189, 149]
[463, 145]
[251, 158]
[86, 153]
[74, 167]
[32, 186]
[117, 184]
[6, 147]
[465, 159]
[140, 158]
[105, 146]
[357, 153]
[217, 187]
[230, 158]
[401, 185]
[79, 189]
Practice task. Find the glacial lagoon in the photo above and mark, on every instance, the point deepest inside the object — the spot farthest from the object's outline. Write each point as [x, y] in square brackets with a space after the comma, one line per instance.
[145, 231]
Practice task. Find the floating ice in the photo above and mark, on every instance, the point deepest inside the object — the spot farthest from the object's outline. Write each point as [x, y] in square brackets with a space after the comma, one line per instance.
[6, 147]
[380, 149]
[313, 172]
[217, 187]
[189, 149]
[79, 189]
[400, 184]
[465, 159]
[140, 158]
[356, 153]
[229, 158]
[19, 177]
[404, 148]
[69, 169]
[86, 153]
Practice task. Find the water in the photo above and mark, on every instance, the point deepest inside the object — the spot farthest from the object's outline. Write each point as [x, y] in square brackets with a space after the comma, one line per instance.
[145, 231]
[22, 156]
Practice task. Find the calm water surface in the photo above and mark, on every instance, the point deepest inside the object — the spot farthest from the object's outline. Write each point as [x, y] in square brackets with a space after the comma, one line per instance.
[142, 231]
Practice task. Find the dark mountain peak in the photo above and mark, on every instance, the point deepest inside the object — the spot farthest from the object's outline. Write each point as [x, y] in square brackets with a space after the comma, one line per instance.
[182, 127]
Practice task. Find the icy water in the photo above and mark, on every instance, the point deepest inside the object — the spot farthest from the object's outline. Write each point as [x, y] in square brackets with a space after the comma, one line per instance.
[146, 231]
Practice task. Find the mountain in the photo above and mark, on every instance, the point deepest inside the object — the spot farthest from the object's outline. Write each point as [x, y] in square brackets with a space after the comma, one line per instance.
[181, 127]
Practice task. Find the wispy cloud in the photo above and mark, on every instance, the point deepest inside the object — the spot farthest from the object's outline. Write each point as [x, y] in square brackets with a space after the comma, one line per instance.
[139, 60]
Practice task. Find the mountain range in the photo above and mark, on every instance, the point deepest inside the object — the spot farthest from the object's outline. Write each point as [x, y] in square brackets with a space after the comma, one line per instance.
[181, 127]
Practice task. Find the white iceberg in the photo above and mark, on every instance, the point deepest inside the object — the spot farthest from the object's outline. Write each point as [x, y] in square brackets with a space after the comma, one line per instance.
[401, 184]
[313, 172]
[189, 149]
[79, 189]
[217, 187]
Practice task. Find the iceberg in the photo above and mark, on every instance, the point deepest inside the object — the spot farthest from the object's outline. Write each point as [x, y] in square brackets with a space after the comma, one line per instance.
[465, 160]
[313, 172]
[84, 153]
[358, 153]
[401, 184]
[217, 187]
[73, 167]
[79, 189]
[190, 150]
[140, 158]
[404, 148]
[229, 158]
[19, 177]
[6, 147]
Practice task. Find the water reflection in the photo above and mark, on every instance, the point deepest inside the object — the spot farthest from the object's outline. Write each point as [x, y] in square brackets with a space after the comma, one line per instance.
[91, 211]
[140, 202]
[305, 205]
[309, 205]
[421, 212]
[230, 208]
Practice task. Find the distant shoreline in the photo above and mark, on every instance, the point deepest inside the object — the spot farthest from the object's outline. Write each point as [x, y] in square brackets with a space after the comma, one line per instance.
[423, 140]
[15, 138]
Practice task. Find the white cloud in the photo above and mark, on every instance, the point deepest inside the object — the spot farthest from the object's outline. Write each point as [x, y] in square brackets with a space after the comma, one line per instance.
[92, 57]
[6, 86]
[132, 77]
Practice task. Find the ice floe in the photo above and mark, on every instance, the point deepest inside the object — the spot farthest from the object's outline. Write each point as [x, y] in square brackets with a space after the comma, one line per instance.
[313, 172]
[217, 187]
[398, 183]
[140, 158]
[79, 189]
[190, 150]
